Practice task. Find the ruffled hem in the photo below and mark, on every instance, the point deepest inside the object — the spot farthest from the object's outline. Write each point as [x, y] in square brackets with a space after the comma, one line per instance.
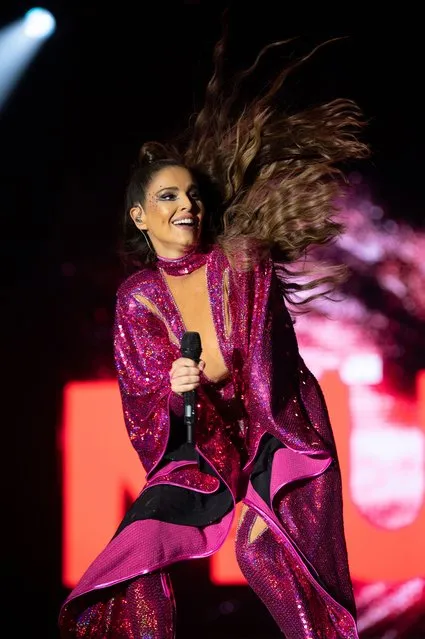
[148, 545]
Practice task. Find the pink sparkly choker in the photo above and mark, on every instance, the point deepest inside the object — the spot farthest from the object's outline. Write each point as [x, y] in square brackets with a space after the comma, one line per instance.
[183, 265]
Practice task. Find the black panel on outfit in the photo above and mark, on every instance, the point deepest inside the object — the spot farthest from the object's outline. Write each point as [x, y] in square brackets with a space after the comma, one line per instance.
[178, 505]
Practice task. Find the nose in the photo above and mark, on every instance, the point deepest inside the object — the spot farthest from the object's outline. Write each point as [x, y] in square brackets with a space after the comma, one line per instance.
[186, 203]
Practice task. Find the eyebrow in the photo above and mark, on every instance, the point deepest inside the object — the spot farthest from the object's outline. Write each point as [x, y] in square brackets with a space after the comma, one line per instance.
[176, 188]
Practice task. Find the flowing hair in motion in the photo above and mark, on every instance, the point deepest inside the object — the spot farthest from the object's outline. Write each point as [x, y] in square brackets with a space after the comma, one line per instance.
[279, 174]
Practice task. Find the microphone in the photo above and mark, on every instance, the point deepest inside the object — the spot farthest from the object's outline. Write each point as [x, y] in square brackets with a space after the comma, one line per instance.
[191, 348]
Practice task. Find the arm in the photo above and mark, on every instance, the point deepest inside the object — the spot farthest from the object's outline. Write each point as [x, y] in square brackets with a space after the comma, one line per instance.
[143, 357]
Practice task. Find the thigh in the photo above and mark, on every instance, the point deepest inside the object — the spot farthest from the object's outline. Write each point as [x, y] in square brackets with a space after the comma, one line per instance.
[252, 528]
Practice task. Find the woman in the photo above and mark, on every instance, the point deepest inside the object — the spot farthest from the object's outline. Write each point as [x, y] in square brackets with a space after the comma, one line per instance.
[212, 228]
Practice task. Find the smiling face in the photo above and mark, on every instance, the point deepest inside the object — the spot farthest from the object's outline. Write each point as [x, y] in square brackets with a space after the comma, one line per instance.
[171, 213]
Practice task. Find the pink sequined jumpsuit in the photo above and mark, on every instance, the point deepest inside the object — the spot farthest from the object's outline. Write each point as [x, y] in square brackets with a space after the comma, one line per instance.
[262, 437]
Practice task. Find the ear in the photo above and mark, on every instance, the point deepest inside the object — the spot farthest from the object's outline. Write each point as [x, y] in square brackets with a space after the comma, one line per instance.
[138, 216]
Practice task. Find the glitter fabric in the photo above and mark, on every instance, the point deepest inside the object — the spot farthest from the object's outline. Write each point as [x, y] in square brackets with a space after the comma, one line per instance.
[323, 546]
[183, 265]
[278, 577]
[268, 391]
[271, 368]
[189, 477]
[144, 609]
[144, 354]
[282, 397]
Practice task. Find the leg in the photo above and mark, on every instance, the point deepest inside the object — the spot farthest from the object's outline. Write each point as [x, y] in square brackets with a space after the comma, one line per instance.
[140, 609]
[273, 574]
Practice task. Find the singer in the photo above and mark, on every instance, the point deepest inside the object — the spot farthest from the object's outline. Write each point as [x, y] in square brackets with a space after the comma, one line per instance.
[212, 227]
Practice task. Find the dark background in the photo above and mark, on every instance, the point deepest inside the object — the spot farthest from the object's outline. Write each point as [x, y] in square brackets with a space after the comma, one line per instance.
[107, 80]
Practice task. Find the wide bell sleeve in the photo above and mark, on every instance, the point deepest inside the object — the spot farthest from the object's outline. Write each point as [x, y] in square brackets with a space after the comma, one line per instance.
[280, 393]
[143, 356]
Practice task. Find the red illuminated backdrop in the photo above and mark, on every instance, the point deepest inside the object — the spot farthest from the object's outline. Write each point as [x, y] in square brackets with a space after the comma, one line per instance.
[100, 467]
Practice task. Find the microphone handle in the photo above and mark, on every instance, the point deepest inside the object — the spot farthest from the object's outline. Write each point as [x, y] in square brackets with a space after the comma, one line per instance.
[189, 414]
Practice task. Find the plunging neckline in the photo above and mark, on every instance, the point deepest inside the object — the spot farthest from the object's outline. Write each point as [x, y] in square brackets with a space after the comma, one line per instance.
[182, 325]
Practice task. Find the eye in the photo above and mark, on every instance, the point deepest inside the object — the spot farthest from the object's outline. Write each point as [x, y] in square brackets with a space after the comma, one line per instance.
[195, 195]
[168, 195]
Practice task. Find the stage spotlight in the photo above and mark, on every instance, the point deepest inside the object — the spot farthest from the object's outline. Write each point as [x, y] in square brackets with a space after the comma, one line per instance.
[20, 42]
[39, 23]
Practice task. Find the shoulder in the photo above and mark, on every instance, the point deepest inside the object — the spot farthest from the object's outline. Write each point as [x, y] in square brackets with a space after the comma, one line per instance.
[137, 285]
[251, 266]
[217, 259]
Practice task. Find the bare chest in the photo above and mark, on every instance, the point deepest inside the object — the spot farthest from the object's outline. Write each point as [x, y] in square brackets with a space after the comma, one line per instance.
[190, 293]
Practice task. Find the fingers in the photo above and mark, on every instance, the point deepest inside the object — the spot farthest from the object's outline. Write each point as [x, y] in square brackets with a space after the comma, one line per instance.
[184, 383]
[184, 374]
[185, 366]
[183, 388]
[187, 371]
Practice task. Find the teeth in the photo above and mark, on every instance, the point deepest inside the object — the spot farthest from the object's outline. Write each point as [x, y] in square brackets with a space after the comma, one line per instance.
[184, 221]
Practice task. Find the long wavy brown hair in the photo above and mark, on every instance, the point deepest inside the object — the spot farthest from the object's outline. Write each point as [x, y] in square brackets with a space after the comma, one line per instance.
[278, 174]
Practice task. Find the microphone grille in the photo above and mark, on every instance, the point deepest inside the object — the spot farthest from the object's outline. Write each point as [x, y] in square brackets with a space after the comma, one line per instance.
[191, 345]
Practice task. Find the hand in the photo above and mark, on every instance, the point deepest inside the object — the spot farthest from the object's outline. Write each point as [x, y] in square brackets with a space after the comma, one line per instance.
[184, 374]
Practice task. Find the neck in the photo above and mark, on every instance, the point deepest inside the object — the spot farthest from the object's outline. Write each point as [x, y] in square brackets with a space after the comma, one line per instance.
[176, 258]
[185, 264]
